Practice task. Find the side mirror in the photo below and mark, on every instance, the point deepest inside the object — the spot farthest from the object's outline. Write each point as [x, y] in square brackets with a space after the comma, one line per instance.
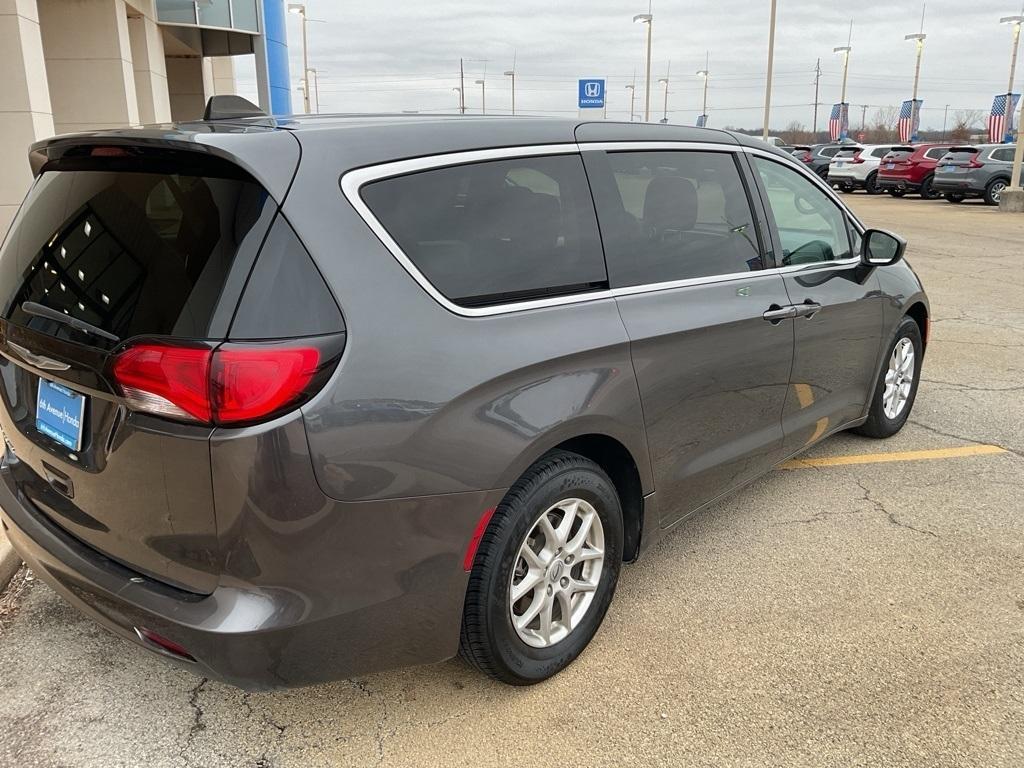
[881, 248]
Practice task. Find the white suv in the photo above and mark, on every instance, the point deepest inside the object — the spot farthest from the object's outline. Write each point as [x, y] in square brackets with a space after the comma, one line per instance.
[856, 167]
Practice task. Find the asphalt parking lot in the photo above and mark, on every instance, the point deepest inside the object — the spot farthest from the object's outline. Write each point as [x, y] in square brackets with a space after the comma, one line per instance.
[831, 614]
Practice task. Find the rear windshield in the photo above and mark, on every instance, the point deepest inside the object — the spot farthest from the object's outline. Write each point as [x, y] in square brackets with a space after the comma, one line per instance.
[899, 153]
[960, 154]
[133, 253]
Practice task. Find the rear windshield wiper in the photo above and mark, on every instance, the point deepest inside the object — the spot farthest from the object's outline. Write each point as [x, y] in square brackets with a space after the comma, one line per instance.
[32, 308]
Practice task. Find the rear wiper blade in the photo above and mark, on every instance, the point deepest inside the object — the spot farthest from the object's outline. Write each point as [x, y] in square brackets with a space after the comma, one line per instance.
[32, 308]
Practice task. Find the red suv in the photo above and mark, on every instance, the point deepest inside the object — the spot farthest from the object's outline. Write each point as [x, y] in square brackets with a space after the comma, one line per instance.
[911, 169]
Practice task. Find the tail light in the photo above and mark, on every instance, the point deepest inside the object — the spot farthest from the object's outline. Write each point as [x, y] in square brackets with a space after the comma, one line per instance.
[807, 156]
[857, 159]
[974, 163]
[229, 384]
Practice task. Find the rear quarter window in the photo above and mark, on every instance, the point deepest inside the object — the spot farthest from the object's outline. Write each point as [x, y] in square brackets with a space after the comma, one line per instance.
[1003, 154]
[494, 232]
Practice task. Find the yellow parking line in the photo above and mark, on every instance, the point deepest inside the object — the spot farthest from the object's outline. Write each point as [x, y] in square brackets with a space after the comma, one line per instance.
[876, 458]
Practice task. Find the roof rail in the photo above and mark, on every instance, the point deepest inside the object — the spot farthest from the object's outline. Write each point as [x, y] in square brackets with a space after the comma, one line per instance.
[230, 106]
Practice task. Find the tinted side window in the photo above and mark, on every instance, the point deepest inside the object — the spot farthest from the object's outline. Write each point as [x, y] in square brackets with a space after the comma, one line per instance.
[1005, 155]
[936, 153]
[675, 215]
[811, 226]
[880, 152]
[489, 233]
[829, 151]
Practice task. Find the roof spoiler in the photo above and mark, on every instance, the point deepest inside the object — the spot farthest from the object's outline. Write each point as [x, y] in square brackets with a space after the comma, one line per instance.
[229, 106]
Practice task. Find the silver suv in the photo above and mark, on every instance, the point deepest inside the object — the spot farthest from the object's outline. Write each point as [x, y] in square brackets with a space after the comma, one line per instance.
[974, 171]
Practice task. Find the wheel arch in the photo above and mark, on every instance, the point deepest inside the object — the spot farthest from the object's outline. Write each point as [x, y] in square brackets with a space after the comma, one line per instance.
[919, 312]
[626, 465]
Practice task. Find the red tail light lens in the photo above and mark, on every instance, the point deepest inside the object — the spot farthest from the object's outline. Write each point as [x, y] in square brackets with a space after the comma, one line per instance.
[167, 381]
[974, 163]
[248, 384]
[807, 157]
[857, 159]
[231, 384]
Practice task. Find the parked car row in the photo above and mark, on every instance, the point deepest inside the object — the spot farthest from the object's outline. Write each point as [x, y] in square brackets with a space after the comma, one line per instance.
[930, 170]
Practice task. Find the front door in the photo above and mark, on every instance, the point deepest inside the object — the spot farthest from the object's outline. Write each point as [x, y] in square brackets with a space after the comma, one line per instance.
[839, 324]
[684, 253]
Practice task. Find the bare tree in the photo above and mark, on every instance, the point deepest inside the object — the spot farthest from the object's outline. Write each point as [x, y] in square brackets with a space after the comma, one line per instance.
[883, 124]
[964, 121]
[794, 133]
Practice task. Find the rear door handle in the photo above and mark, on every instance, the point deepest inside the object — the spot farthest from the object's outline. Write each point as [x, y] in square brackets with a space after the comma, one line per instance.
[777, 314]
[807, 309]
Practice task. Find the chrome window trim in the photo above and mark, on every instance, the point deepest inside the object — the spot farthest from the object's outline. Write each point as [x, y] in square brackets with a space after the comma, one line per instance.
[352, 181]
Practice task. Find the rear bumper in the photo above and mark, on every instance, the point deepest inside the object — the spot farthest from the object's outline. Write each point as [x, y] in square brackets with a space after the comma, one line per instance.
[954, 183]
[895, 182]
[390, 594]
[846, 178]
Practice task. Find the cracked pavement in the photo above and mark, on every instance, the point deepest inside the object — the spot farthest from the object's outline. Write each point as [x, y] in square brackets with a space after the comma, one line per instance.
[868, 615]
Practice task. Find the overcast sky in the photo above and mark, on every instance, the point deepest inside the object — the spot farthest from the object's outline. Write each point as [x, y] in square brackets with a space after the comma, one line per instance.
[393, 55]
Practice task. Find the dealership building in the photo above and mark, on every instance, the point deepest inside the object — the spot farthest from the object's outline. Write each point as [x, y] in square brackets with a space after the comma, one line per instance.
[79, 65]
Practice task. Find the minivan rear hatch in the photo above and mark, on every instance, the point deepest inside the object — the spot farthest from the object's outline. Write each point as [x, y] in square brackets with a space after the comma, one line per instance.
[119, 242]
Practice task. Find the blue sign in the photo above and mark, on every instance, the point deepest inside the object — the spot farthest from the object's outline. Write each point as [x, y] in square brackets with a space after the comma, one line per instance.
[591, 94]
[59, 413]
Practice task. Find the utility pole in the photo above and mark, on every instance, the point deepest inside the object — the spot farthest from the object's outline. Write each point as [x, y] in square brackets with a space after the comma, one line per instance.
[462, 88]
[945, 116]
[768, 84]
[863, 117]
[664, 81]
[817, 84]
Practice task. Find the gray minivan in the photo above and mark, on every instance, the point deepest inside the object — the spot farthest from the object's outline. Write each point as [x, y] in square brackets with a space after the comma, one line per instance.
[290, 400]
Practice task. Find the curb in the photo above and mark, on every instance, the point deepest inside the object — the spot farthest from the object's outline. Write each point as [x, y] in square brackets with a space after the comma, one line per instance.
[9, 562]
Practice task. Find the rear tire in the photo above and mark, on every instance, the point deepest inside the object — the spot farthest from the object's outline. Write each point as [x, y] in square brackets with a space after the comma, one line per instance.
[495, 637]
[954, 197]
[896, 387]
[871, 184]
[927, 190]
[994, 191]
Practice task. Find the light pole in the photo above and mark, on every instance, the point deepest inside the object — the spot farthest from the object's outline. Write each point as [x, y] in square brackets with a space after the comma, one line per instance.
[1016, 22]
[483, 95]
[316, 87]
[664, 81]
[648, 19]
[1018, 153]
[459, 92]
[768, 81]
[919, 39]
[300, 9]
[706, 74]
[632, 98]
[512, 73]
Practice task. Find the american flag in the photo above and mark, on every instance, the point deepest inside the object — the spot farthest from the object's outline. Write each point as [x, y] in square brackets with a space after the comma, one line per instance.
[1000, 122]
[839, 122]
[702, 121]
[910, 119]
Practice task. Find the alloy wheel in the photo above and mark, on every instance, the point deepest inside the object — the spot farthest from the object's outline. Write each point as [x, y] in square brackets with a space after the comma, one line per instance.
[899, 379]
[556, 572]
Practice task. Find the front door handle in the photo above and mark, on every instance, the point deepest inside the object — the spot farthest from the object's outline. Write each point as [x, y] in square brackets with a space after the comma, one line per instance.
[807, 309]
[777, 314]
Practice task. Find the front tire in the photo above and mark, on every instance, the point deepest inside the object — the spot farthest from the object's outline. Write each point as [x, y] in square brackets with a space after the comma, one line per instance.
[545, 571]
[896, 387]
[871, 184]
